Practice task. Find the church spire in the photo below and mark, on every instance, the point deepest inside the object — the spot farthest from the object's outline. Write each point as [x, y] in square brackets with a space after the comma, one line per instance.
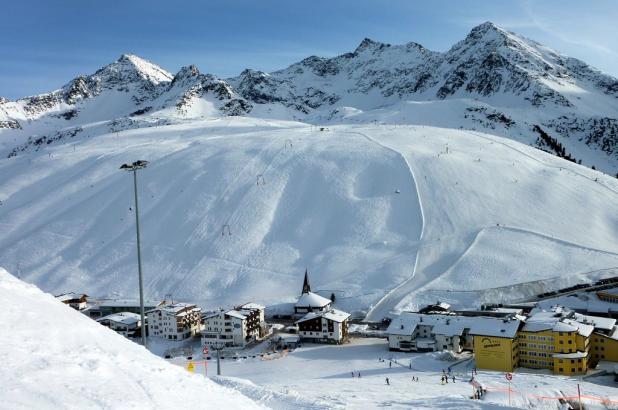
[306, 286]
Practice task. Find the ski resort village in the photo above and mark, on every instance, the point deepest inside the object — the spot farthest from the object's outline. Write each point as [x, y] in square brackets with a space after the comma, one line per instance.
[388, 226]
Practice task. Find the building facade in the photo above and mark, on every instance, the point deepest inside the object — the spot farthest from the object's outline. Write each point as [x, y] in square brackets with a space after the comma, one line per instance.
[324, 327]
[234, 328]
[125, 323]
[111, 306]
[175, 321]
[496, 353]
[556, 339]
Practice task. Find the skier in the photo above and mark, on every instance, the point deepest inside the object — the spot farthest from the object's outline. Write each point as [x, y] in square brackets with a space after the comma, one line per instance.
[388, 382]
[359, 375]
[352, 374]
[453, 378]
[442, 380]
[390, 365]
[410, 365]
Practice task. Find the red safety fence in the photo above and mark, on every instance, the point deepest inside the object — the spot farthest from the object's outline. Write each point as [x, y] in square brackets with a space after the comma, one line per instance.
[603, 400]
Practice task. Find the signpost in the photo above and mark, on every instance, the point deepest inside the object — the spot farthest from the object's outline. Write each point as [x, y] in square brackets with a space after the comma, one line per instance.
[205, 353]
[509, 377]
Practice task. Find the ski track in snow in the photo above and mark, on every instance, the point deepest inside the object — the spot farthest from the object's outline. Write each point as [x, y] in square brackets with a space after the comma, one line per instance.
[380, 264]
[394, 296]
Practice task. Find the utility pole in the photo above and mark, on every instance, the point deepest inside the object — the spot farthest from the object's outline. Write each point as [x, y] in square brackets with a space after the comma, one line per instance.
[134, 167]
[218, 361]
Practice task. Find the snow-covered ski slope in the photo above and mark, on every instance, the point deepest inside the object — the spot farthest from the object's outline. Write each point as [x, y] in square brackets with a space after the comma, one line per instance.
[234, 209]
[56, 358]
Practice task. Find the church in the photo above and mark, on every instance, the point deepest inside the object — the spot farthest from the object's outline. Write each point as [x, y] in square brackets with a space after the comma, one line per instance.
[309, 301]
[320, 322]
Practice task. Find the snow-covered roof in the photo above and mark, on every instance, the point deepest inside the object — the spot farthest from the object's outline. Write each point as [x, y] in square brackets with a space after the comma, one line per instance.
[208, 315]
[126, 303]
[236, 314]
[178, 308]
[558, 319]
[126, 318]
[311, 299]
[333, 314]
[450, 325]
[70, 296]
[573, 355]
[604, 323]
[584, 301]
[252, 305]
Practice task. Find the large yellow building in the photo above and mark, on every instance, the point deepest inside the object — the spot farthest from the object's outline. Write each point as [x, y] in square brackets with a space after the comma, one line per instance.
[555, 340]
[558, 339]
[496, 353]
[604, 345]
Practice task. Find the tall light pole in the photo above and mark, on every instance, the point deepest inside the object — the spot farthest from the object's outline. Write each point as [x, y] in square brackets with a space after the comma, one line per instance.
[134, 167]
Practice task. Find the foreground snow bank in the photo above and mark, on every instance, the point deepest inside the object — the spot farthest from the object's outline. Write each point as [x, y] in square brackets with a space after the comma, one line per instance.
[55, 357]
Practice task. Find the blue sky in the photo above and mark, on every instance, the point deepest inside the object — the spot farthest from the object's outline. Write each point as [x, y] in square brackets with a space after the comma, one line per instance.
[45, 43]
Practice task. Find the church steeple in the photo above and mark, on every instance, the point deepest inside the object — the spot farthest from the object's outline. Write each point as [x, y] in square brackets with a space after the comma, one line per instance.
[306, 286]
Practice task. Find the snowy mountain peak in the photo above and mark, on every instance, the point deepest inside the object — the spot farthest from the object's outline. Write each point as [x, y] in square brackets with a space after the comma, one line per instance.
[368, 43]
[487, 27]
[131, 68]
[185, 74]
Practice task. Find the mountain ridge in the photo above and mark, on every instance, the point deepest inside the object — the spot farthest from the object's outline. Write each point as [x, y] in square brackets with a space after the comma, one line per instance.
[489, 75]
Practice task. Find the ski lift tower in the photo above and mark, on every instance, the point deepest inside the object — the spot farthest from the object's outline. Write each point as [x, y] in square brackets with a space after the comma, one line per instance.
[134, 167]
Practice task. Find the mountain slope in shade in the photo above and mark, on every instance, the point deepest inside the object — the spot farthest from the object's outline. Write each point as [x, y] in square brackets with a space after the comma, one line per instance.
[59, 358]
[493, 80]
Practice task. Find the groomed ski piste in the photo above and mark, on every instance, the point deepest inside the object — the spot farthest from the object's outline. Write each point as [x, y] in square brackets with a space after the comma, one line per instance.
[387, 217]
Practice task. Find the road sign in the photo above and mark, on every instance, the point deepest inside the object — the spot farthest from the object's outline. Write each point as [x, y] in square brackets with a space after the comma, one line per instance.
[509, 376]
[190, 367]
[205, 350]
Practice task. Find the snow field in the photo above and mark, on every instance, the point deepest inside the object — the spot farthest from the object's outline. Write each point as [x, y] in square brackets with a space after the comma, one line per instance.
[235, 209]
[55, 357]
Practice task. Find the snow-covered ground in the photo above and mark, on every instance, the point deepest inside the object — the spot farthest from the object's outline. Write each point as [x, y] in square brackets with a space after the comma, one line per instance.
[56, 358]
[235, 209]
[322, 375]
